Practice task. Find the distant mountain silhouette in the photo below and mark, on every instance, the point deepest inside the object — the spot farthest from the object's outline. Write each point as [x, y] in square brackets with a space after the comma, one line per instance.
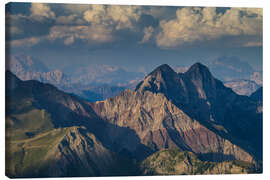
[227, 68]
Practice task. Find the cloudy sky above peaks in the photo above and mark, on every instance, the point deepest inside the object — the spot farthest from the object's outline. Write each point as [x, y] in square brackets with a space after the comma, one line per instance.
[63, 35]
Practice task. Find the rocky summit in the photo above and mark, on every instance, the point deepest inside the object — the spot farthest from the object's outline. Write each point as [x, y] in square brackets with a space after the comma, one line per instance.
[172, 123]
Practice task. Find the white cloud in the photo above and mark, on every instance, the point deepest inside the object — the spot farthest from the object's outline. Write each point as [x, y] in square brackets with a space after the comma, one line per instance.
[148, 33]
[125, 16]
[90, 34]
[26, 42]
[13, 30]
[99, 24]
[118, 16]
[72, 19]
[198, 24]
[97, 15]
[160, 12]
[76, 8]
[69, 40]
[40, 11]
[12, 24]
[96, 25]
[252, 44]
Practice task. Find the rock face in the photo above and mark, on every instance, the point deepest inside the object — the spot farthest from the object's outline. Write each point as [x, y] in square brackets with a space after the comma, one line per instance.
[179, 110]
[79, 153]
[242, 87]
[192, 112]
[160, 125]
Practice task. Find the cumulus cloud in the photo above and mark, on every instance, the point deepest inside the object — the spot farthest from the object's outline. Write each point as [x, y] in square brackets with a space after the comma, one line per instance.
[13, 30]
[198, 24]
[97, 15]
[26, 42]
[12, 25]
[40, 11]
[252, 44]
[75, 8]
[94, 33]
[161, 12]
[72, 19]
[118, 16]
[102, 23]
[98, 24]
[148, 33]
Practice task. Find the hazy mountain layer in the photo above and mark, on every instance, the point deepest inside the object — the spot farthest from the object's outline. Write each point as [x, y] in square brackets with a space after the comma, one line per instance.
[242, 87]
[227, 68]
[93, 83]
[29, 68]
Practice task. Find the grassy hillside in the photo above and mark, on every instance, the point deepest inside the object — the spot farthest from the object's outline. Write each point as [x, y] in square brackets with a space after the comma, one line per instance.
[174, 162]
[27, 155]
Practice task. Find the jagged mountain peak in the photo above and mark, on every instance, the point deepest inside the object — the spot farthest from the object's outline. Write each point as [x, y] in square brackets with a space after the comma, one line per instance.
[164, 69]
[162, 80]
[199, 69]
[201, 81]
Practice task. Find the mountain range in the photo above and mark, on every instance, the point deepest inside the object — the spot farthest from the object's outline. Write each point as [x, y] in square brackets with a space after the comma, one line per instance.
[172, 123]
[29, 68]
[98, 82]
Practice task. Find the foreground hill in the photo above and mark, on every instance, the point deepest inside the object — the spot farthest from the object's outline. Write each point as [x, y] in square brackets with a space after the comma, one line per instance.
[51, 134]
[173, 162]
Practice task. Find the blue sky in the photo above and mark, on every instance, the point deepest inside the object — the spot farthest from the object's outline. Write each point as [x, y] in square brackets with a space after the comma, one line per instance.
[134, 37]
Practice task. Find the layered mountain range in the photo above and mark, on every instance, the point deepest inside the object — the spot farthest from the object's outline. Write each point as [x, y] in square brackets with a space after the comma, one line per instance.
[98, 82]
[190, 118]
[227, 68]
[95, 82]
[242, 87]
[29, 68]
